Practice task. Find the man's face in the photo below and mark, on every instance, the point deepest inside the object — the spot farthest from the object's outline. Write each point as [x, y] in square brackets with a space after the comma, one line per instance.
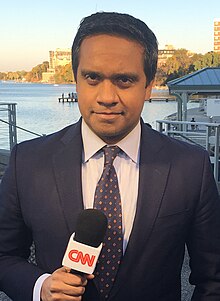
[111, 85]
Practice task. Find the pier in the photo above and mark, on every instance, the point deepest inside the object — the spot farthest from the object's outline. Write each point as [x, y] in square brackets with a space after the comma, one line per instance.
[161, 99]
[71, 97]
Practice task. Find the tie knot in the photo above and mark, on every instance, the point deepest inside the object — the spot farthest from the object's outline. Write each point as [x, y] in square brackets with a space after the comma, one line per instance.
[110, 153]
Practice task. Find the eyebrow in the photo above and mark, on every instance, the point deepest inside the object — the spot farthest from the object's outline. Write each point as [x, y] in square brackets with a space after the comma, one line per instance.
[85, 72]
[114, 76]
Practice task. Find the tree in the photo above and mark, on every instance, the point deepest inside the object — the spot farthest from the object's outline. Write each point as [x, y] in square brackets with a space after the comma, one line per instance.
[183, 62]
[35, 75]
[175, 66]
[179, 63]
[210, 59]
[13, 75]
[64, 74]
[2, 75]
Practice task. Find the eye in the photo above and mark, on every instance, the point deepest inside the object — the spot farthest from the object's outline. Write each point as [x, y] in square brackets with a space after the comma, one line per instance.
[124, 81]
[92, 78]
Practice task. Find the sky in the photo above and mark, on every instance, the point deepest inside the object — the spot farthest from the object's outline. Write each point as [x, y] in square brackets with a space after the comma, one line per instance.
[30, 29]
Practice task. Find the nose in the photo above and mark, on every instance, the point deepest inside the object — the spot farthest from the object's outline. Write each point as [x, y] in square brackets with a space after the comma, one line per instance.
[107, 94]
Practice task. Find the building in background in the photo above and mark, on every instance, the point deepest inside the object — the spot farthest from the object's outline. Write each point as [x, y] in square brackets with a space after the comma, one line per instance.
[164, 54]
[59, 57]
[217, 35]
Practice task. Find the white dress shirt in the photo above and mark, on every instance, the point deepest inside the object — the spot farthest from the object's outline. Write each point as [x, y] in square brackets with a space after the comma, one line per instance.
[127, 168]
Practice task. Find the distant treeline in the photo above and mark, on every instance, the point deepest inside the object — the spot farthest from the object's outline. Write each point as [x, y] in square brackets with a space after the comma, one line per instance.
[63, 74]
[181, 63]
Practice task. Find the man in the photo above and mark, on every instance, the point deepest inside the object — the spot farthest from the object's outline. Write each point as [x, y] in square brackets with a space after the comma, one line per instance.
[168, 194]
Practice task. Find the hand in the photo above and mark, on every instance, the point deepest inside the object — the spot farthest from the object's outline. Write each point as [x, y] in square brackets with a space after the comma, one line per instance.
[62, 285]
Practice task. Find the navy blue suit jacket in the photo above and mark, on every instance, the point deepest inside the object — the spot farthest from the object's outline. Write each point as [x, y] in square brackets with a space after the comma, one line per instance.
[178, 204]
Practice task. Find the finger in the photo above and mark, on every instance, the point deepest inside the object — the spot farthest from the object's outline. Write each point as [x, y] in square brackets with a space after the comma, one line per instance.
[74, 291]
[90, 276]
[74, 279]
[65, 269]
[62, 289]
[61, 285]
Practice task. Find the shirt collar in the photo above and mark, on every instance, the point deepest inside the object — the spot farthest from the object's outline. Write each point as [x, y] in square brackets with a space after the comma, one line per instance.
[92, 143]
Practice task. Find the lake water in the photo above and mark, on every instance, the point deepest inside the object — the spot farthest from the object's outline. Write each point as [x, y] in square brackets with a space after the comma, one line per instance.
[38, 109]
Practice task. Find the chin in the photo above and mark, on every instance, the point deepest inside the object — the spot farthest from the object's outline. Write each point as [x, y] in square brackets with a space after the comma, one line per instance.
[111, 137]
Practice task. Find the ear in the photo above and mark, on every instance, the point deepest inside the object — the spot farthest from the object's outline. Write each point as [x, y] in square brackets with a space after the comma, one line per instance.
[148, 90]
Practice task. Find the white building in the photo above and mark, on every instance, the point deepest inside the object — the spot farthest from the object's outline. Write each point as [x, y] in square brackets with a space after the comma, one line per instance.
[217, 35]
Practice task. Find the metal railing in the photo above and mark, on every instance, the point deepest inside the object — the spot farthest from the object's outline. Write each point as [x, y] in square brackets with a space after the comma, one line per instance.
[10, 108]
[9, 119]
[199, 133]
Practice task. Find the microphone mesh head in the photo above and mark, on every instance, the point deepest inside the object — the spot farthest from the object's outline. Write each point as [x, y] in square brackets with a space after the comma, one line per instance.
[91, 227]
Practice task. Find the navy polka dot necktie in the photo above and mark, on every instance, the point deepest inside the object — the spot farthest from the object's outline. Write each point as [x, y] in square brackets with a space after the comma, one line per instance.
[107, 199]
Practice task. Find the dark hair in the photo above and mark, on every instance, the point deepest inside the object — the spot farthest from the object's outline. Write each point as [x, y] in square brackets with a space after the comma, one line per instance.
[118, 24]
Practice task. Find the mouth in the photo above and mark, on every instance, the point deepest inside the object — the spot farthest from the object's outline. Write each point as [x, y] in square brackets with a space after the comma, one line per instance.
[108, 115]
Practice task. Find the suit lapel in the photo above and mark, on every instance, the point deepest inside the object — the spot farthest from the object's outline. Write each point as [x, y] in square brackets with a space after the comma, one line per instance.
[154, 170]
[153, 174]
[67, 170]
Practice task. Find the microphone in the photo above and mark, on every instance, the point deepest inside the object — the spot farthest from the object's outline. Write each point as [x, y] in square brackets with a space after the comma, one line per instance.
[85, 244]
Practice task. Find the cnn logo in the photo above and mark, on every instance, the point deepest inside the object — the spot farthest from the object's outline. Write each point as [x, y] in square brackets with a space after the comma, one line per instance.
[77, 256]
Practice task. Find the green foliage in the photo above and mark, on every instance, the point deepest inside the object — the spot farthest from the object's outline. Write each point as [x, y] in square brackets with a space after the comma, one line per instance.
[180, 64]
[63, 74]
[13, 75]
[183, 62]
[2, 76]
[210, 59]
[35, 75]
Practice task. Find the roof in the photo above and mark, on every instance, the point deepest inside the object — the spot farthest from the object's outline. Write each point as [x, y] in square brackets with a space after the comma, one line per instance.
[204, 80]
